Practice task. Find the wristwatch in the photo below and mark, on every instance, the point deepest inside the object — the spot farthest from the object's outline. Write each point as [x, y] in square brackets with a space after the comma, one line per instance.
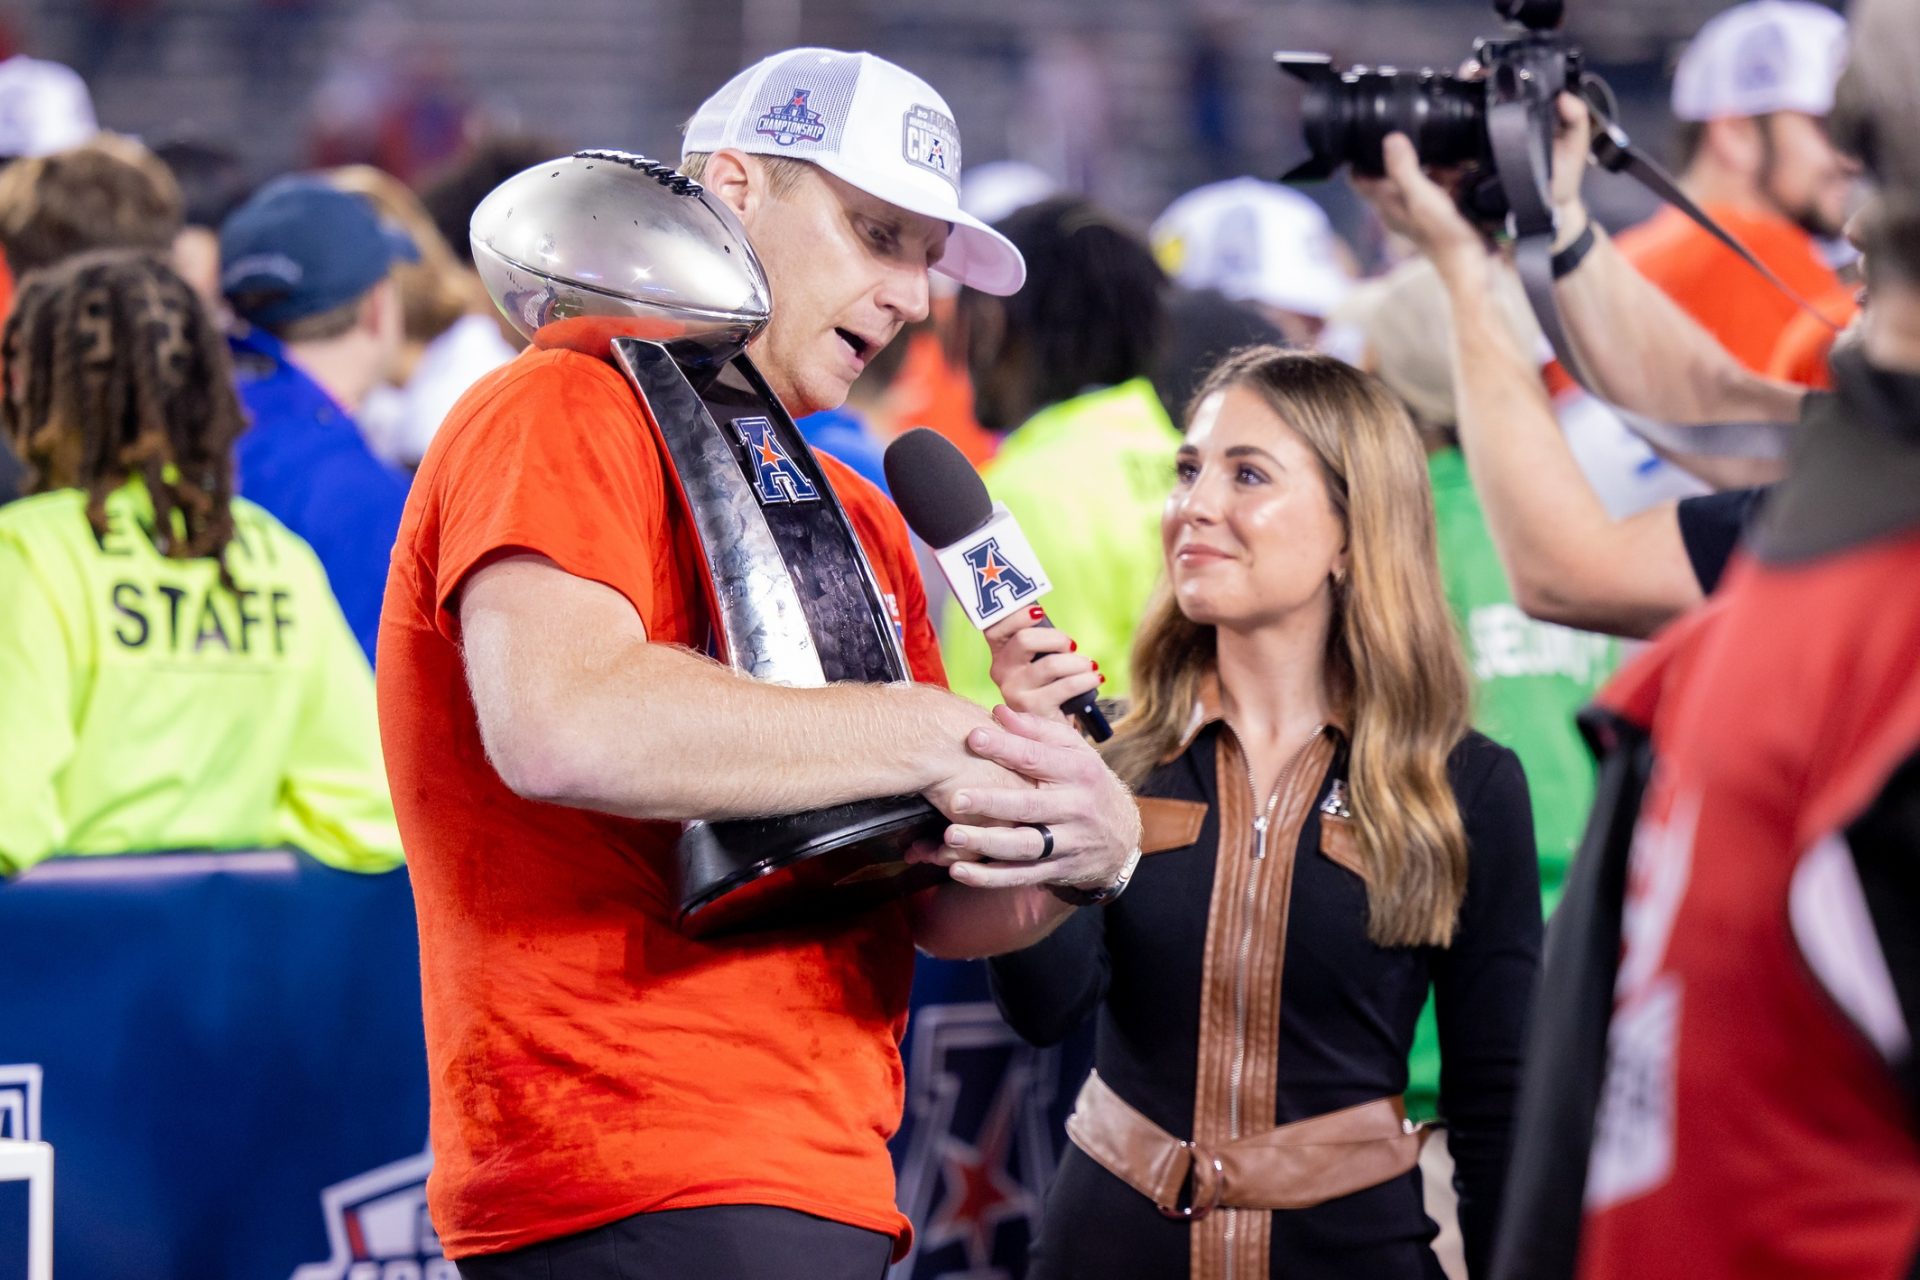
[1081, 896]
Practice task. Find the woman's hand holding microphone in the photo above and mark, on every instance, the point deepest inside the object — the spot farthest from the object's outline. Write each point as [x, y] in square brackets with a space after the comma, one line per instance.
[1038, 668]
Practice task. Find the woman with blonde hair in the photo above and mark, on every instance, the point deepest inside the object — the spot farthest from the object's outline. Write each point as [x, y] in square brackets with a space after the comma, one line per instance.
[1324, 840]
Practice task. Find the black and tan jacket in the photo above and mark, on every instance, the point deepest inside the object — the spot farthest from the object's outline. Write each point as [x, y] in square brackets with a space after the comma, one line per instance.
[1236, 992]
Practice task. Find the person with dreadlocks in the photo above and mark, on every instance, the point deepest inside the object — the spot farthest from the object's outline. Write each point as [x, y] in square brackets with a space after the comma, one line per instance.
[174, 671]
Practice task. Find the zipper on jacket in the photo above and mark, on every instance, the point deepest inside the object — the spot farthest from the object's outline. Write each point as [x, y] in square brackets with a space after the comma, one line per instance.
[1261, 824]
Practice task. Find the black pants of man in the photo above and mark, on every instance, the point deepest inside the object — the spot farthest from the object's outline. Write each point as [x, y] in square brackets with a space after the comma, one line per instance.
[722, 1242]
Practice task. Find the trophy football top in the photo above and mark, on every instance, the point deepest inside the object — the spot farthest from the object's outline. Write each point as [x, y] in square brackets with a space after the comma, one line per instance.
[607, 244]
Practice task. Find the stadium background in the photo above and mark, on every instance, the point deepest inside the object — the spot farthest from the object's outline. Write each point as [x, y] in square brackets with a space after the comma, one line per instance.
[1130, 101]
[1133, 101]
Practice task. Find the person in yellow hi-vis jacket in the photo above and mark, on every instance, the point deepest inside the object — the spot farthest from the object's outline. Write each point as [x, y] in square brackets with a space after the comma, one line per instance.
[1062, 367]
[174, 672]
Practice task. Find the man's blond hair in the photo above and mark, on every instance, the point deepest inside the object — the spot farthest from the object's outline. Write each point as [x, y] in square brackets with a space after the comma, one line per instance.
[784, 174]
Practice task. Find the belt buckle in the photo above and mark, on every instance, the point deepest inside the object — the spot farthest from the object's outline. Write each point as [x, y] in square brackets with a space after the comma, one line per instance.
[1194, 1210]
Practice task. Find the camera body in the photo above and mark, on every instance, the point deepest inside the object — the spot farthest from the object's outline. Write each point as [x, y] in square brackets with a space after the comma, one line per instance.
[1450, 118]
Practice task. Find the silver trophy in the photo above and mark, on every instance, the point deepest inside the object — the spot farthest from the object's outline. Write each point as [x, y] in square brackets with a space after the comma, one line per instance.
[624, 259]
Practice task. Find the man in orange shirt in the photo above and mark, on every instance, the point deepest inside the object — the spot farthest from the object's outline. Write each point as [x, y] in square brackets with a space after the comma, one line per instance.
[1752, 92]
[609, 1097]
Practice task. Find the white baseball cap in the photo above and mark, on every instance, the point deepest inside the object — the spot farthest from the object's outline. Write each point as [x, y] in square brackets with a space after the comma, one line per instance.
[1255, 242]
[1761, 57]
[868, 123]
[44, 107]
[997, 188]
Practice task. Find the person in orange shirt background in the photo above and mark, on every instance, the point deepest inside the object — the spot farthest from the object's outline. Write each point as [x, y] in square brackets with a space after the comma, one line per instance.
[1752, 92]
[1805, 345]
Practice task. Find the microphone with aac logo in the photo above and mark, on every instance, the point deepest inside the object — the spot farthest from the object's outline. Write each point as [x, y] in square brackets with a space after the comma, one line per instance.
[976, 541]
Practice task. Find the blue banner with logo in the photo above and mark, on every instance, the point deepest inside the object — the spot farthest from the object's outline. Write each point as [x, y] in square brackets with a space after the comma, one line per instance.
[225, 1051]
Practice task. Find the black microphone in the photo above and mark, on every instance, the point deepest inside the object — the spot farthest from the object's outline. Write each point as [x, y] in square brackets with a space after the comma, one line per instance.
[984, 556]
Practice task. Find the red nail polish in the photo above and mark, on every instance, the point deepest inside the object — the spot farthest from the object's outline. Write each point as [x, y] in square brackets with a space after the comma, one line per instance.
[1103, 679]
[1073, 646]
[1096, 666]
[1036, 613]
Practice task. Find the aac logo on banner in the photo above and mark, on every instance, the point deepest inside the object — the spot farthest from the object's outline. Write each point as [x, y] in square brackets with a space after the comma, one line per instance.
[993, 574]
[981, 1150]
[378, 1229]
[20, 1101]
[777, 478]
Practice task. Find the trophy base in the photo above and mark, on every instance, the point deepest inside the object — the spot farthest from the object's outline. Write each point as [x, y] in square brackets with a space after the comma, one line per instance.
[766, 873]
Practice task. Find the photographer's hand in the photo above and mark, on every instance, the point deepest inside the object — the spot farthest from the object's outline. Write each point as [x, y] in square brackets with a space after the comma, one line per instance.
[1572, 146]
[1415, 206]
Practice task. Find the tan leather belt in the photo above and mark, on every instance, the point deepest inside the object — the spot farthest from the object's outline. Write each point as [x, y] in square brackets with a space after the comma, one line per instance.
[1294, 1166]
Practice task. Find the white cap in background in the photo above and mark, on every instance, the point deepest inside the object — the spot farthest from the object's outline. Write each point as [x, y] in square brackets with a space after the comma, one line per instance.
[44, 107]
[993, 190]
[871, 124]
[1255, 242]
[1761, 57]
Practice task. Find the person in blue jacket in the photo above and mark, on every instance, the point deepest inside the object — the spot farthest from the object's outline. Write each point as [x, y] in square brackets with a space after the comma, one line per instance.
[305, 268]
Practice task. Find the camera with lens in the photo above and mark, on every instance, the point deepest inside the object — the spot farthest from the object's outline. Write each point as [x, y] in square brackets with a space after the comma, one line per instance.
[1489, 123]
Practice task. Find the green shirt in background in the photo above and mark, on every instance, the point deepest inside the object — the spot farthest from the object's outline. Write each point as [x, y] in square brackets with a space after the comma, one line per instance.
[1086, 479]
[1529, 679]
[146, 707]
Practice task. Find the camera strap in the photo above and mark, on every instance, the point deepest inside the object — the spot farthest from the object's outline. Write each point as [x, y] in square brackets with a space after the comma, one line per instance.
[1615, 152]
[1520, 151]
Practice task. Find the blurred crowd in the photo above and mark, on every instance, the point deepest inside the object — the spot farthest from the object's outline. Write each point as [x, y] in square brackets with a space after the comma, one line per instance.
[219, 385]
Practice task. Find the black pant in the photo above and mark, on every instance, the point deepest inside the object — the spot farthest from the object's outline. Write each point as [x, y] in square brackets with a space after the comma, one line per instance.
[722, 1242]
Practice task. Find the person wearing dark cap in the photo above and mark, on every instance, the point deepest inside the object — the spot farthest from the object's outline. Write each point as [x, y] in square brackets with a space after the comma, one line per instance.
[305, 266]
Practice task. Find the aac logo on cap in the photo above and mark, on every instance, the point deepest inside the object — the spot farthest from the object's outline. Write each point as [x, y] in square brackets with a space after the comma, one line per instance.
[792, 121]
[931, 140]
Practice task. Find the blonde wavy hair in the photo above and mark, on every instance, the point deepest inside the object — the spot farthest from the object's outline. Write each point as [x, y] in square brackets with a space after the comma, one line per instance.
[1393, 654]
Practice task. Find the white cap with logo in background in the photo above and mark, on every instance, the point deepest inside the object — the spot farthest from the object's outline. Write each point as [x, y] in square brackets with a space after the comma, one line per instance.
[871, 124]
[44, 107]
[1761, 57]
[1255, 242]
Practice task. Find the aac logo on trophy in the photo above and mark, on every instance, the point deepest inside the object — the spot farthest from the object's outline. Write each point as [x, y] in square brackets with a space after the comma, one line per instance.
[776, 478]
[624, 259]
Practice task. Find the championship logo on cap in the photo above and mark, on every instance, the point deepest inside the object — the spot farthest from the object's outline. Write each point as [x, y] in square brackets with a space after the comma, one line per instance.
[776, 477]
[793, 121]
[1761, 60]
[993, 574]
[20, 1102]
[931, 140]
[378, 1229]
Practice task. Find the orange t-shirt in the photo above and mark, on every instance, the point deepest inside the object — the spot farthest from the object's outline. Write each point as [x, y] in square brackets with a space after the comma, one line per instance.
[1730, 299]
[930, 391]
[1805, 345]
[586, 1061]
